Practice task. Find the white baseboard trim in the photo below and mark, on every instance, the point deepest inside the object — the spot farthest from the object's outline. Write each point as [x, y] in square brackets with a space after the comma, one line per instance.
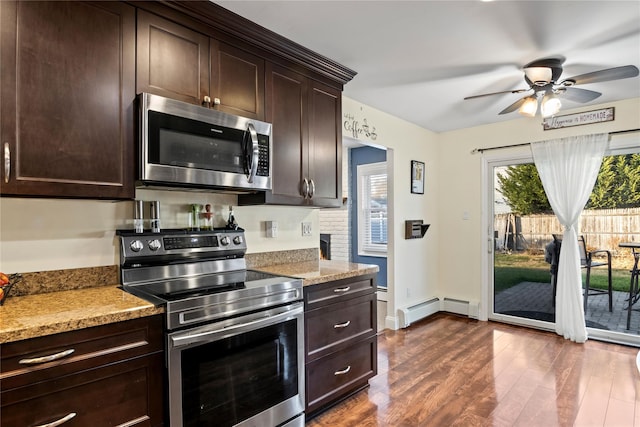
[391, 322]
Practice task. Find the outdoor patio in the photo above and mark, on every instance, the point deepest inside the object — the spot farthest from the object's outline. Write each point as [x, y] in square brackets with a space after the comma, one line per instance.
[534, 300]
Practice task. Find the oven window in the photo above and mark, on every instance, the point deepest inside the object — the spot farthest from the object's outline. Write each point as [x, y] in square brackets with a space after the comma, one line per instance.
[228, 381]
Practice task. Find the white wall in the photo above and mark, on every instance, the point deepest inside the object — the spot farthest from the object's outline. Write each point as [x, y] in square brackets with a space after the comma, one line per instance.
[53, 234]
[412, 264]
[461, 242]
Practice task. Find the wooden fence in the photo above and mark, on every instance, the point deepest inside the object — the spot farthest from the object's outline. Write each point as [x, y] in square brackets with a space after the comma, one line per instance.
[603, 229]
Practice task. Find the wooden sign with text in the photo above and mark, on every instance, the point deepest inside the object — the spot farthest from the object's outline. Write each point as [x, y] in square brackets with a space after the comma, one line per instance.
[579, 119]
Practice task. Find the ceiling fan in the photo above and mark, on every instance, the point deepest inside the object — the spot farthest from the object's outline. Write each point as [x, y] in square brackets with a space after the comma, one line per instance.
[543, 78]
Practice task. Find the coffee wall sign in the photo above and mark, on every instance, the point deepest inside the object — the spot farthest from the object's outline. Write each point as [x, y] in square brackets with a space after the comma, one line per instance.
[579, 119]
[357, 130]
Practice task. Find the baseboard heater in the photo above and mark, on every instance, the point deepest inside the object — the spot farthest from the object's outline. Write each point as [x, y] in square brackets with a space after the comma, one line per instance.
[457, 306]
[419, 311]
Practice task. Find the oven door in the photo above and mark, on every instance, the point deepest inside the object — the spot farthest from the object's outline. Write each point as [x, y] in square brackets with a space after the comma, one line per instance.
[246, 371]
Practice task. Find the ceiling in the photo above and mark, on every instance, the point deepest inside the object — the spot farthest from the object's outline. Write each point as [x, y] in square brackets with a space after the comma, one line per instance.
[417, 60]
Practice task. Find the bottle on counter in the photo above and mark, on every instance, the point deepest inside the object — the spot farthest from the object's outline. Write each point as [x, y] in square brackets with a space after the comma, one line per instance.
[155, 216]
[194, 217]
[138, 216]
[207, 217]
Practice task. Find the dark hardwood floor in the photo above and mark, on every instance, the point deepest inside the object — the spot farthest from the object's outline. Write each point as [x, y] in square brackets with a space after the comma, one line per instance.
[452, 371]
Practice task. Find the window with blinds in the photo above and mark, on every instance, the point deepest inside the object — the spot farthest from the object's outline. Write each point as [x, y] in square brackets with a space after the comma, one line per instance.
[372, 212]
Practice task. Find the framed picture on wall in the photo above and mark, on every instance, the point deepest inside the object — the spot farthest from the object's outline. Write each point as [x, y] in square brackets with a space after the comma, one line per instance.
[417, 177]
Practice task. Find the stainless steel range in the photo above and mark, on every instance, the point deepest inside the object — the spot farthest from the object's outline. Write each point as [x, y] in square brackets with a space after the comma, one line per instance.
[234, 337]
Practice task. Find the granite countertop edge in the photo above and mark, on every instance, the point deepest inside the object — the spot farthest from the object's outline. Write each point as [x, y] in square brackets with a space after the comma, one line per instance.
[32, 316]
[320, 271]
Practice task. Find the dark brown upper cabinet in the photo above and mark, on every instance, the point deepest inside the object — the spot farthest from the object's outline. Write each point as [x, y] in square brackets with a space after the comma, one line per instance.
[307, 141]
[183, 64]
[172, 60]
[67, 93]
[237, 81]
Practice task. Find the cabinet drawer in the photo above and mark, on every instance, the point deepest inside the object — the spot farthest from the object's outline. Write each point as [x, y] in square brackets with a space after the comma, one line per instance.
[331, 292]
[114, 395]
[330, 328]
[334, 376]
[78, 350]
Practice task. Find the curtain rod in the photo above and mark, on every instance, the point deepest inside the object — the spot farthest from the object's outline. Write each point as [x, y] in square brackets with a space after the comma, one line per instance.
[482, 150]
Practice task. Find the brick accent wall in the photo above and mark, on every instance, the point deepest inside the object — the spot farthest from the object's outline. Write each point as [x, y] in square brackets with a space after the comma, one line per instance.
[336, 221]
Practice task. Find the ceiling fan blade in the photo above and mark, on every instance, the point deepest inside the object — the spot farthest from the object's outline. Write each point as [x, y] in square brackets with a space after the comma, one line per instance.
[496, 93]
[514, 106]
[580, 95]
[605, 75]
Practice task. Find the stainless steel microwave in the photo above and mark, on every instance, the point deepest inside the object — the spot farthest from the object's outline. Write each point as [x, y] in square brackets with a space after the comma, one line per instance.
[188, 146]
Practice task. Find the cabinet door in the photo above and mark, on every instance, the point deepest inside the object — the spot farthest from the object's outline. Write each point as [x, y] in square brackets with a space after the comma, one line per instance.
[67, 93]
[172, 60]
[325, 145]
[237, 80]
[286, 110]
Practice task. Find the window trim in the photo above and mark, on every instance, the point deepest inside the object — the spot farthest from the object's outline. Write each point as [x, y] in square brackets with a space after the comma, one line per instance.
[364, 248]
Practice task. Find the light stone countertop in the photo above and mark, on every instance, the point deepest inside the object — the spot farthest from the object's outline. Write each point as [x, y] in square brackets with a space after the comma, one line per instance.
[31, 316]
[320, 271]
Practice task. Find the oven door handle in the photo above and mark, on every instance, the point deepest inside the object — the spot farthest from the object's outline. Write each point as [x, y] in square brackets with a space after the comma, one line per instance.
[216, 332]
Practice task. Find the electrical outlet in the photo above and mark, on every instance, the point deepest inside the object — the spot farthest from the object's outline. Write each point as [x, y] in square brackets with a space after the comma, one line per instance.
[272, 228]
[306, 229]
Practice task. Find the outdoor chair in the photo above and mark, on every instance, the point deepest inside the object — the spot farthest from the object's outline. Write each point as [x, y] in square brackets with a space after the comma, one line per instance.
[587, 262]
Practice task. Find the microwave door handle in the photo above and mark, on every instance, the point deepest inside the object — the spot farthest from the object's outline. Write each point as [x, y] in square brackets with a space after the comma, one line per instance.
[253, 167]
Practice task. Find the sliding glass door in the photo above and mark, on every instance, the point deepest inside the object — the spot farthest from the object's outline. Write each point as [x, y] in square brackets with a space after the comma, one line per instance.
[522, 290]
[523, 254]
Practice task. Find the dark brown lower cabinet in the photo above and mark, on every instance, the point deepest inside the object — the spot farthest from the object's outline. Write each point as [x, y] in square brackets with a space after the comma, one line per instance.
[113, 377]
[340, 340]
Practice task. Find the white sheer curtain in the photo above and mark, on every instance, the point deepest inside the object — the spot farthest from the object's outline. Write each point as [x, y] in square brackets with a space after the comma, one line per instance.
[568, 168]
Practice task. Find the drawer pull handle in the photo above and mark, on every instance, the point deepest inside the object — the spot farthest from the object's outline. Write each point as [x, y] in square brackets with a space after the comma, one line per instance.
[342, 372]
[59, 422]
[45, 359]
[342, 325]
[342, 290]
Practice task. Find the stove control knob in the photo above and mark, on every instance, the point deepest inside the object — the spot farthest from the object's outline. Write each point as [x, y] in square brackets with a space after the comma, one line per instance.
[136, 246]
[154, 244]
[237, 240]
[224, 240]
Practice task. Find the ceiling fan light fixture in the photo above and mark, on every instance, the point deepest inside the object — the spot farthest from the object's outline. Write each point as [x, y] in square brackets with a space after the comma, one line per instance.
[540, 76]
[550, 105]
[529, 107]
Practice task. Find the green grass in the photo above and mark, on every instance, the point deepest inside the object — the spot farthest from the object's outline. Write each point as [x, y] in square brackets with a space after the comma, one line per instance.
[509, 270]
